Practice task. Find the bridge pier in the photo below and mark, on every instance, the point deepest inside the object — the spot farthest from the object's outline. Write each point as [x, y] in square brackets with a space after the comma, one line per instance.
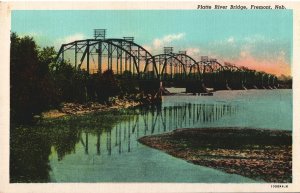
[196, 86]
[151, 91]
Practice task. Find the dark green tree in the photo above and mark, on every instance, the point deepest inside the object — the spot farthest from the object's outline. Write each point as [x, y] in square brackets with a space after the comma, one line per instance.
[107, 86]
[31, 86]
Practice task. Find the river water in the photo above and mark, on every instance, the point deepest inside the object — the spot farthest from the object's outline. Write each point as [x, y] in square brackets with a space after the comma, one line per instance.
[111, 153]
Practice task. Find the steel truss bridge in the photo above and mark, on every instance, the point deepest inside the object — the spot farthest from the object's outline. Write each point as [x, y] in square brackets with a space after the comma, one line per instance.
[130, 60]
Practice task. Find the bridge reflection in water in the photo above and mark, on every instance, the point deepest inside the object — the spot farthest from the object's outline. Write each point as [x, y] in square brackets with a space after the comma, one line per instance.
[123, 137]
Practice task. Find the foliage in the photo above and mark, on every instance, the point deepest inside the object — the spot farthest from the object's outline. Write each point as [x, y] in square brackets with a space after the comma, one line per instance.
[79, 86]
[39, 83]
[127, 74]
[107, 86]
[285, 81]
[70, 84]
[32, 88]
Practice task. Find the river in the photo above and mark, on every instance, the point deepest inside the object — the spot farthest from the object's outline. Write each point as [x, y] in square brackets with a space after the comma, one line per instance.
[109, 152]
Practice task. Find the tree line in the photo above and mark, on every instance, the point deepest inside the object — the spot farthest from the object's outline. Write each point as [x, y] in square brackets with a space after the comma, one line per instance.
[38, 83]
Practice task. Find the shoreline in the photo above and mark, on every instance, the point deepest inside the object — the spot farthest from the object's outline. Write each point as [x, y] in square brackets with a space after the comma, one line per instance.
[73, 108]
[259, 154]
[68, 108]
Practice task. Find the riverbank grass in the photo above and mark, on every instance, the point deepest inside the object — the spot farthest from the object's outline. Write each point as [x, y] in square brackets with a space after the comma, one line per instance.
[259, 154]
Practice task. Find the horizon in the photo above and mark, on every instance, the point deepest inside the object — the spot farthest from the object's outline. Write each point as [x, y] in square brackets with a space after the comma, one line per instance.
[260, 40]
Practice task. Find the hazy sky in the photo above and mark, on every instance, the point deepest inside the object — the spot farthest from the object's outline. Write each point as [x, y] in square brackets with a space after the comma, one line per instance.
[260, 39]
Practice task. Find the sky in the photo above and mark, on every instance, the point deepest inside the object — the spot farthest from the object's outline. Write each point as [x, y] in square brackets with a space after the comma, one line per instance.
[257, 39]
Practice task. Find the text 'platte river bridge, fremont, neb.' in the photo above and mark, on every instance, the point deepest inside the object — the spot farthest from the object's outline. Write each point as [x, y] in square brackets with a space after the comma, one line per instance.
[130, 60]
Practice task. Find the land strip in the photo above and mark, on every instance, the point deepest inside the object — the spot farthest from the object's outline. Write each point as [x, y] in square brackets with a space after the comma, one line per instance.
[259, 154]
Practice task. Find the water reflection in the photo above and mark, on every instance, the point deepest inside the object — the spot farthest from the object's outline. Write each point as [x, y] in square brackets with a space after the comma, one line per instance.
[148, 121]
[60, 149]
[101, 135]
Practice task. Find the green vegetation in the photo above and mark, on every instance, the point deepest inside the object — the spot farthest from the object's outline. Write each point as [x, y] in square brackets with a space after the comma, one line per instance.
[38, 83]
[32, 86]
[285, 81]
[32, 145]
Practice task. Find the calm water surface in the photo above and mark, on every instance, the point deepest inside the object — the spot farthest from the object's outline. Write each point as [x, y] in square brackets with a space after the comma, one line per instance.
[105, 149]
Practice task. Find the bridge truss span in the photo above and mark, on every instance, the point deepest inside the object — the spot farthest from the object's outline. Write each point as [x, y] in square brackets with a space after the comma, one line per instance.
[192, 66]
[122, 56]
[128, 59]
[169, 67]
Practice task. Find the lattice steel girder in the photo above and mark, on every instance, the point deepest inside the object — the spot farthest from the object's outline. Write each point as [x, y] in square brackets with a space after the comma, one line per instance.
[141, 59]
[189, 62]
[211, 65]
[164, 60]
[99, 33]
[136, 52]
[182, 58]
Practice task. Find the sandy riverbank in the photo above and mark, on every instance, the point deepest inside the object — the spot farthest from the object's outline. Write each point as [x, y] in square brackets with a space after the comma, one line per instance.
[79, 109]
[254, 153]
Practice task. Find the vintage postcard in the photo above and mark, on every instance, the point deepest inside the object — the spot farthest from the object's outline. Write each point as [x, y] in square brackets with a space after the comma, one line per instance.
[149, 96]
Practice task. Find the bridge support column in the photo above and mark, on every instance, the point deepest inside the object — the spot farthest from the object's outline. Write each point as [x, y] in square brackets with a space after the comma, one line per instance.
[76, 55]
[88, 57]
[100, 57]
[151, 91]
[196, 86]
